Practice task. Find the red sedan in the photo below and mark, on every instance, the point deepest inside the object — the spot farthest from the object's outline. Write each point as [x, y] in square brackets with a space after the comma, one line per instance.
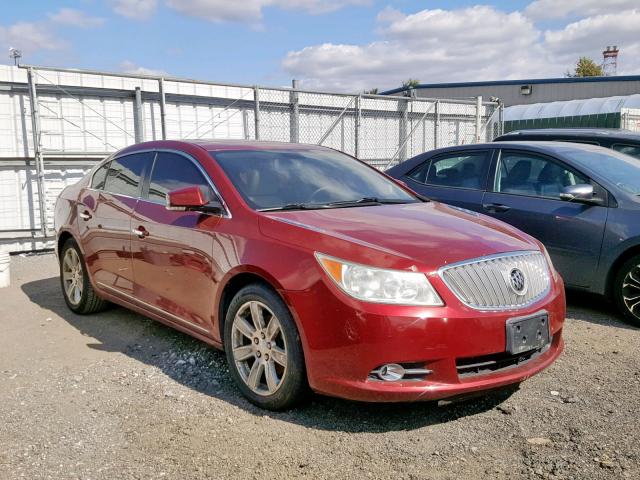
[311, 269]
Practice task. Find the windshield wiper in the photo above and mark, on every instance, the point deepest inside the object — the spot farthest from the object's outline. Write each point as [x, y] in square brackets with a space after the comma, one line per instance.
[367, 201]
[292, 206]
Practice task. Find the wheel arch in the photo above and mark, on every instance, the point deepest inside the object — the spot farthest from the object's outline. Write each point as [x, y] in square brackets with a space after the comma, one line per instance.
[630, 252]
[238, 279]
[63, 236]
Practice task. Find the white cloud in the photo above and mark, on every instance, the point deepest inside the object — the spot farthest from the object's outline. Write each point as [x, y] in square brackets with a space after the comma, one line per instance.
[136, 9]
[28, 37]
[75, 18]
[432, 45]
[250, 11]
[476, 43]
[546, 9]
[127, 66]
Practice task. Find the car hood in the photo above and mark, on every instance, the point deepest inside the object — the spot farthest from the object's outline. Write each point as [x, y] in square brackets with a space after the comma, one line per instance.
[432, 234]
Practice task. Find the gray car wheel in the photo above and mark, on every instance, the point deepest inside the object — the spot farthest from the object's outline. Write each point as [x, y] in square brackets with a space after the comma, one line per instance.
[627, 290]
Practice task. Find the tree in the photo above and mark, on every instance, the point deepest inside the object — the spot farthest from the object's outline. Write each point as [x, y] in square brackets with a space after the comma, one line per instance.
[373, 91]
[411, 83]
[586, 68]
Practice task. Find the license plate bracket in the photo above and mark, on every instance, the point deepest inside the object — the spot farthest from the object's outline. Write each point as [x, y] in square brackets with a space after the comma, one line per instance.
[527, 333]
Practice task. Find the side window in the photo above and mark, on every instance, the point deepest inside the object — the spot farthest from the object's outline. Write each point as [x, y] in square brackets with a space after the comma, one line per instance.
[171, 172]
[522, 173]
[460, 170]
[123, 177]
[419, 173]
[100, 176]
[633, 150]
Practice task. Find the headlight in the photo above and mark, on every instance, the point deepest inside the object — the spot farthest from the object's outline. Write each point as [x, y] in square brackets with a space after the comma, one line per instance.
[552, 269]
[380, 285]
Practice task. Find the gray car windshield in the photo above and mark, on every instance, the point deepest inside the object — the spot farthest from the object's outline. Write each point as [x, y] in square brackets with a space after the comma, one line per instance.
[306, 179]
[620, 169]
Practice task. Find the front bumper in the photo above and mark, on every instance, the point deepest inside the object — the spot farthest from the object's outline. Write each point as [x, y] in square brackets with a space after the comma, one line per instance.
[345, 339]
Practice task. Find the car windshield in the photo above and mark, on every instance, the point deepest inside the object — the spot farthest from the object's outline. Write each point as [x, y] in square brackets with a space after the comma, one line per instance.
[306, 179]
[620, 169]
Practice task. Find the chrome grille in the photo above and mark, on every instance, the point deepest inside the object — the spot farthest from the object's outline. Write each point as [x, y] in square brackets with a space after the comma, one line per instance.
[491, 283]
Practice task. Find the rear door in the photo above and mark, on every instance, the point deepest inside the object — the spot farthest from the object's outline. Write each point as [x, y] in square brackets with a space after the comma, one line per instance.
[526, 193]
[457, 178]
[104, 220]
[173, 262]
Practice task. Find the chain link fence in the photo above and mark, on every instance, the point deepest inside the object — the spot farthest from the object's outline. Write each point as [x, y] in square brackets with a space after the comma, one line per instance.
[56, 123]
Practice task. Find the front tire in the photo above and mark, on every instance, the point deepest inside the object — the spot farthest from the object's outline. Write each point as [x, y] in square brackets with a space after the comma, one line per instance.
[263, 349]
[627, 290]
[76, 287]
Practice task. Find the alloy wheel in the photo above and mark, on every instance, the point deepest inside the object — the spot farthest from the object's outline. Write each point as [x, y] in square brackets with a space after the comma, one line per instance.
[72, 276]
[631, 291]
[259, 348]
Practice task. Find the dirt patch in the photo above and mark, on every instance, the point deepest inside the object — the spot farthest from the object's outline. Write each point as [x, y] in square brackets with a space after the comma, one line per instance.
[116, 395]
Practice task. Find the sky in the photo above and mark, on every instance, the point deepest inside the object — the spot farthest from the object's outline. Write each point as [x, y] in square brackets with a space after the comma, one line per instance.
[334, 45]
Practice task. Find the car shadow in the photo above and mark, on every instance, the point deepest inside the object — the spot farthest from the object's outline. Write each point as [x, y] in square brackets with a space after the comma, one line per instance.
[596, 309]
[197, 366]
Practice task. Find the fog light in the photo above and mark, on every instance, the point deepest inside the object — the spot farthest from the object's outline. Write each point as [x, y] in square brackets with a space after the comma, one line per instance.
[391, 372]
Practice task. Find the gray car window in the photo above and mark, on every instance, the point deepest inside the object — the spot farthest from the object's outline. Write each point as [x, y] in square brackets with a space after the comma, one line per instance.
[633, 150]
[523, 173]
[458, 170]
[618, 168]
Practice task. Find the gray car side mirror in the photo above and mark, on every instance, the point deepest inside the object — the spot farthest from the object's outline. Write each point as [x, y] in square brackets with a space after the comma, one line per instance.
[582, 193]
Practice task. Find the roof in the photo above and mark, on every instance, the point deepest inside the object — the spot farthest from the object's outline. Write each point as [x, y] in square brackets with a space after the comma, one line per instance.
[540, 146]
[572, 108]
[577, 132]
[530, 81]
[219, 145]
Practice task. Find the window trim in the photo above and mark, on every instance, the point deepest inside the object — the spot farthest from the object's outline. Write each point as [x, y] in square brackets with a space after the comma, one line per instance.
[489, 152]
[607, 195]
[147, 178]
[97, 167]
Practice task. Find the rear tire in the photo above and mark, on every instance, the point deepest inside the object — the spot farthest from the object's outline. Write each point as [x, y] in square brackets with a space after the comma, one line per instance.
[263, 349]
[626, 290]
[77, 291]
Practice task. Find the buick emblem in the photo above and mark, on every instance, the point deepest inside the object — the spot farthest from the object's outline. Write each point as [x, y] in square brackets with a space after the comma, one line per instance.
[517, 281]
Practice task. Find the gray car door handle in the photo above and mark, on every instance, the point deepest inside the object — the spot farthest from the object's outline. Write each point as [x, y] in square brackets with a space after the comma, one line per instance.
[85, 215]
[495, 207]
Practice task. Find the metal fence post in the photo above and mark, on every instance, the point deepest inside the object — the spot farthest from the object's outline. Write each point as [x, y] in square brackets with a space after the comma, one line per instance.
[478, 118]
[294, 122]
[37, 151]
[163, 108]
[256, 110]
[403, 106]
[436, 124]
[357, 125]
[138, 123]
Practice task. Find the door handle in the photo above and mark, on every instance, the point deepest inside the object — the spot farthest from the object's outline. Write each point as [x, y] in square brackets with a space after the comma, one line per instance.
[495, 207]
[85, 215]
[141, 232]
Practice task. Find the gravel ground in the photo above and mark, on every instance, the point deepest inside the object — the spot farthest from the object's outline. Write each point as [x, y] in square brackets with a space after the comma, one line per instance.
[116, 395]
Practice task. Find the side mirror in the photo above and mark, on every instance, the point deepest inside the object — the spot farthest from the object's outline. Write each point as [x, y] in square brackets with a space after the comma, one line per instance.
[193, 198]
[578, 193]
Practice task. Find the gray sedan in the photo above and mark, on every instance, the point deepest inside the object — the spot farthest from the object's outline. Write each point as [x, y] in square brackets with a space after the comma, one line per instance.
[581, 201]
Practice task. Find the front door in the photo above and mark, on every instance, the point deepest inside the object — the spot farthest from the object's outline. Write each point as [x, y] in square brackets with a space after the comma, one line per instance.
[173, 263]
[526, 194]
